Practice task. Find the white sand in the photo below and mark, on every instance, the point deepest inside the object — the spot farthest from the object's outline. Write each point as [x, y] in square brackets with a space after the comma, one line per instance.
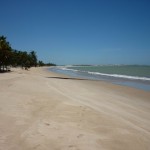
[39, 111]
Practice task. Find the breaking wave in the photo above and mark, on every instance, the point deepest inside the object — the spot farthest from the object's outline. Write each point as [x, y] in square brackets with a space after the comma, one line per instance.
[109, 75]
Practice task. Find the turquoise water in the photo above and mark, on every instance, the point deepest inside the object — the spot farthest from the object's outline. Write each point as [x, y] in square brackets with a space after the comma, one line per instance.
[125, 70]
[127, 75]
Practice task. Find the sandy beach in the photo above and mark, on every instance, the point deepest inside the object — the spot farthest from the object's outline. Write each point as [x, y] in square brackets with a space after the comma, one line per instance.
[41, 110]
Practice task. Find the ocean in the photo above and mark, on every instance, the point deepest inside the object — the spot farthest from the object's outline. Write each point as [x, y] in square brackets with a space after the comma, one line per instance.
[136, 76]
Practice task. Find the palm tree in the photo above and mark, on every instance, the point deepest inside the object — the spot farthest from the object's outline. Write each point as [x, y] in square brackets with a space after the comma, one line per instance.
[8, 56]
[41, 63]
[5, 53]
[33, 58]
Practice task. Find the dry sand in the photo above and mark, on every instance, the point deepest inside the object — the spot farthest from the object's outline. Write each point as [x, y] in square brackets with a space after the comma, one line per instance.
[47, 111]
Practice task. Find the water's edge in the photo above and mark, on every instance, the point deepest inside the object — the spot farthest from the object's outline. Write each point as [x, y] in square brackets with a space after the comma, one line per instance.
[138, 83]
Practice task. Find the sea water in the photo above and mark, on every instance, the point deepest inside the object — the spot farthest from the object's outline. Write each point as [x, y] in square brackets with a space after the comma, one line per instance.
[136, 76]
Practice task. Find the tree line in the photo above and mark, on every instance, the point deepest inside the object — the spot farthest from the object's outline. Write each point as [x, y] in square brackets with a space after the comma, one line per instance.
[10, 57]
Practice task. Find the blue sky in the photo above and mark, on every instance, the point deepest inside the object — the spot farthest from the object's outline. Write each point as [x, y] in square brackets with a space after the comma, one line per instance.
[79, 31]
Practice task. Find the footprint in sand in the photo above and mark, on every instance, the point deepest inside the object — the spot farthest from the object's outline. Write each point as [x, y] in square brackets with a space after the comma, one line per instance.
[47, 124]
[73, 146]
[80, 135]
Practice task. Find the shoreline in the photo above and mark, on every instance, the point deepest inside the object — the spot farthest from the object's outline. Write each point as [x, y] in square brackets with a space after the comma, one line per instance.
[48, 110]
[134, 83]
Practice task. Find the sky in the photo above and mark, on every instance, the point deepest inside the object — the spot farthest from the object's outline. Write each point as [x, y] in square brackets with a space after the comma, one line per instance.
[79, 31]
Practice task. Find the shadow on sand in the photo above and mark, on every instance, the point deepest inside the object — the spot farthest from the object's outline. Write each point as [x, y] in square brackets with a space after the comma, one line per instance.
[5, 71]
[64, 78]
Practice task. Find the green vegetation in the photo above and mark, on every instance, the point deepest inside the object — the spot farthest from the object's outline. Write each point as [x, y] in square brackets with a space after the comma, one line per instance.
[41, 64]
[10, 57]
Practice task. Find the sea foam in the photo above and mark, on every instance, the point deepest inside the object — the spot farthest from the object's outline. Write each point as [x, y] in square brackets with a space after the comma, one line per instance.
[109, 75]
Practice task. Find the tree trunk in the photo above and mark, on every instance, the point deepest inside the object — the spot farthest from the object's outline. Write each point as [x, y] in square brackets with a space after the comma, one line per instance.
[3, 68]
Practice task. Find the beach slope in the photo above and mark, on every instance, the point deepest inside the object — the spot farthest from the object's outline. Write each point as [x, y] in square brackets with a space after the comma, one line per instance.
[46, 111]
